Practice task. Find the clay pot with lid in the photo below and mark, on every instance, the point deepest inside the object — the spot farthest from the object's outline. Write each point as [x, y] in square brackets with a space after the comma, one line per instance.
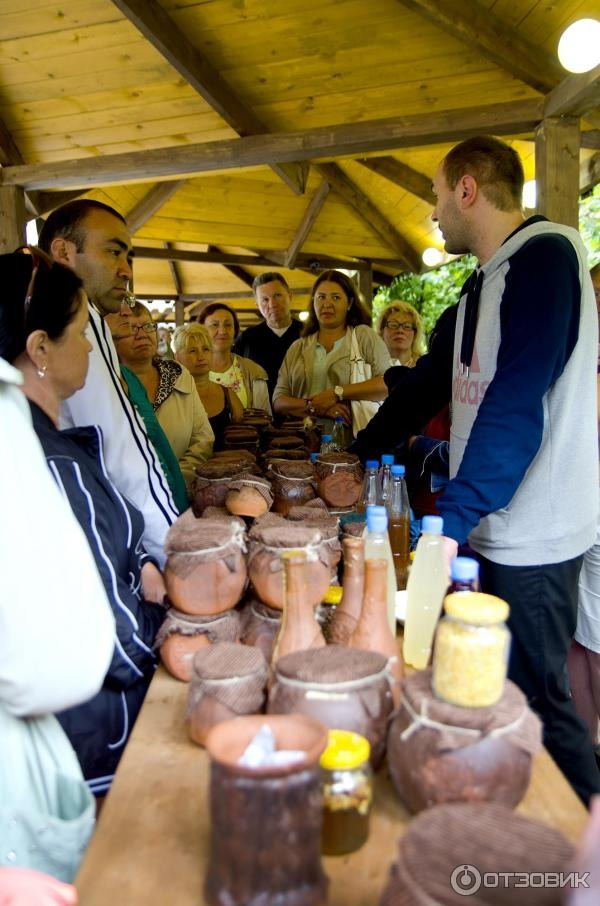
[293, 484]
[205, 572]
[265, 828]
[181, 636]
[211, 484]
[340, 478]
[249, 496]
[261, 626]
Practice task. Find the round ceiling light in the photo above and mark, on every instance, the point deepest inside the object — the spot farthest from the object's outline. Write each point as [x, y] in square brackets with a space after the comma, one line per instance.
[303, 316]
[432, 256]
[579, 46]
[529, 194]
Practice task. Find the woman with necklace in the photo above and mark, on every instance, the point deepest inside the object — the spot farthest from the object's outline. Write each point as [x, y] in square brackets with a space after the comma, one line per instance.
[194, 349]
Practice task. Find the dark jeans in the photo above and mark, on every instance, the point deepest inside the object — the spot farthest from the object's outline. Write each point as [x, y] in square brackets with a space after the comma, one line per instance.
[543, 616]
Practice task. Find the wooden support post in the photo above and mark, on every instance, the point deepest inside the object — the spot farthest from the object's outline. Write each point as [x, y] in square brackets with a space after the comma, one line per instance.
[365, 285]
[179, 312]
[12, 218]
[557, 169]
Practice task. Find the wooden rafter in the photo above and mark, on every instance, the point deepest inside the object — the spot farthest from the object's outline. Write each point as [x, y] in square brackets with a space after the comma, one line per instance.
[161, 31]
[175, 275]
[482, 29]
[589, 174]
[151, 202]
[401, 175]
[236, 270]
[576, 95]
[367, 211]
[324, 141]
[310, 215]
[314, 263]
[590, 139]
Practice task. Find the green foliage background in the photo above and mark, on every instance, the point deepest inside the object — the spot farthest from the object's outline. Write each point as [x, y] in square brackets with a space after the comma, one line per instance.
[435, 290]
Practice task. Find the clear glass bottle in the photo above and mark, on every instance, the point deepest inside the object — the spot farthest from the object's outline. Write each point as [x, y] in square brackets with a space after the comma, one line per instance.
[338, 438]
[385, 478]
[347, 784]
[377, 547]
[464, 574]
[325, 443]
[370, 488]
[472, 645]
[398, 509]
[425, 590]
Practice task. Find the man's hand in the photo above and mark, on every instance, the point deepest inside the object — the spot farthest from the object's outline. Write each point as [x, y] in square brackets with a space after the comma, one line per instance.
[25, 887]
[324, 401]
[153, 584]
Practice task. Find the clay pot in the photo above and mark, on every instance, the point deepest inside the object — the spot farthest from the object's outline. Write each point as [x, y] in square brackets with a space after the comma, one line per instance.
[373, 632]
[339, 479]
[211, 484]
[249, 496]
[261, 627]
[265, 565]
[181, 636]
[177, 654]
[347, 613]
[293, 485]
[299, 629]
[343, 688]
[265, 830]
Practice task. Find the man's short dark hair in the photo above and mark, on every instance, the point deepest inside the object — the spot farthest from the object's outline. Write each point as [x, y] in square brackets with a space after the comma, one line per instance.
[66, 222]
[495, 165]
[268, 277]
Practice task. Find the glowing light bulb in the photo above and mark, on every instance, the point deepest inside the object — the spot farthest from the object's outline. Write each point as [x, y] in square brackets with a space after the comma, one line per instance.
[432, 256]
[529, 194]
[579, 46]
[303, 316]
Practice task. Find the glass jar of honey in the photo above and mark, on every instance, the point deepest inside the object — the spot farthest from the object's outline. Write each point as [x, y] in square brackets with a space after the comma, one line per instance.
[471, 650]
[347, 784]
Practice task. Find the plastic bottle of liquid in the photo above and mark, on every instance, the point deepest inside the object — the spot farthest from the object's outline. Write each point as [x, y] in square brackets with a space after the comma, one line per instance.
[325, 443]
[370, 488]
[385, 478]
[464, 573]
[338, 441]
[377, 547]
[426, 587]
[398, 509]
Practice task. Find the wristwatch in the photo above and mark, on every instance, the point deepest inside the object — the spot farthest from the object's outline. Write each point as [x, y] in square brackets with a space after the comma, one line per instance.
[339, 392]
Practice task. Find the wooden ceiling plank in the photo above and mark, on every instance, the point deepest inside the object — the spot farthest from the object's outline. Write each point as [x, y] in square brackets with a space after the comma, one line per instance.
[310, 215]
[591, 139]
[324, 141]
[161, 31]
[44, 202]
[151, 202]
[356, 198]
[265, 259]
[9, 152]
[575, 96]
[401, 175]
[478, 27]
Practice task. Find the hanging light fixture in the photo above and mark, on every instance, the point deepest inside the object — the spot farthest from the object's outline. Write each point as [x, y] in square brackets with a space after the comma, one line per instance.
[579, 46]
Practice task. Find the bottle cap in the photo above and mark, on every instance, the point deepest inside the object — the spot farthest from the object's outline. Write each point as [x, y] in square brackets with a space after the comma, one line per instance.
[387, 459]
[326, 437]
[475, 607]
[345, 750]
[432, 524]
[398, 470]
[372, 464]
[376, 522]
[464, 569]
[313, 457]
[339, 420]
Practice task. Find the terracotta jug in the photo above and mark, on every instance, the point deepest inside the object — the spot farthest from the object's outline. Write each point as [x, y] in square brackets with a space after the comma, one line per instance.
[299, 629]
[373, 632]
[347, 613]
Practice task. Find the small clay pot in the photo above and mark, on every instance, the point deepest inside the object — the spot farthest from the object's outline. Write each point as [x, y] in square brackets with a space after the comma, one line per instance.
[293, 485]
[249, 496]
[181, 636]
[265, 565]
[177, 654]
[261, 626]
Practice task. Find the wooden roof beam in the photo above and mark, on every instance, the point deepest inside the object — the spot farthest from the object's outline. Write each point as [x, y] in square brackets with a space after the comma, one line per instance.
[161, 31]
[175, 275]
[338, 140]
[151, 202]
[577, 95]
[234, 269]
[401, 175]
[589, 174]
[314, 263]
[310, 215]
[590, 139]
[480, 28]
[356, 199]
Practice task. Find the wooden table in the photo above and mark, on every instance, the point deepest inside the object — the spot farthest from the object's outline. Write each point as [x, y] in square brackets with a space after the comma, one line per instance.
[151, 844]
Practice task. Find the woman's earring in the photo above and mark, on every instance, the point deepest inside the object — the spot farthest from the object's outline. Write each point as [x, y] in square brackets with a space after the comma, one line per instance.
[42, 371]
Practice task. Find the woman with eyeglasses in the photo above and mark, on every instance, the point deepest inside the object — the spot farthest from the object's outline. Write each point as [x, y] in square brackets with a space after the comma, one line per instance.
[43, 321]
[167, 385]
[401, 329]
[247, 379]
[315, 378]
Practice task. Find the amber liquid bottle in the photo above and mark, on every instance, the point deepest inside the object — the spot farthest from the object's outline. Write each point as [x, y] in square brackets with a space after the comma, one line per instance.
[399, 525]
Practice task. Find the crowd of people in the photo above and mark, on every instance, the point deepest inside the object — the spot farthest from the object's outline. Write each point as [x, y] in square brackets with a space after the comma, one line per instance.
[112, 416]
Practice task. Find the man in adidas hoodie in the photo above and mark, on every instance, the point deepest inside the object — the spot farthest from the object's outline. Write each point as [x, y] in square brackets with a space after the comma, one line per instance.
[521, 380]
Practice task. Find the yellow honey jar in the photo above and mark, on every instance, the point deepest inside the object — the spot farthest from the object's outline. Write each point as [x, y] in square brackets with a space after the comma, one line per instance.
[471, 650]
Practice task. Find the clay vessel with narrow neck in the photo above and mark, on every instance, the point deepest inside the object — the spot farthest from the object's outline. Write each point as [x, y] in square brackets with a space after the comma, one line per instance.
[347, 613]
[299, 629]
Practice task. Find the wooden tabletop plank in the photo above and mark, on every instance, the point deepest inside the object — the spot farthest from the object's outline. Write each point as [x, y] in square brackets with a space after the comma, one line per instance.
[151, 844]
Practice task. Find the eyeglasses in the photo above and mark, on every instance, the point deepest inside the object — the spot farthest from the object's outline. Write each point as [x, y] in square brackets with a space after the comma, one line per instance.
[38, 257]
[399, 325]
[134, 329]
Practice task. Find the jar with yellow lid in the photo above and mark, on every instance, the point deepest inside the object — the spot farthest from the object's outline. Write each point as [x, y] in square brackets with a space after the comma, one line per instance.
[347, 783]
[472, 644]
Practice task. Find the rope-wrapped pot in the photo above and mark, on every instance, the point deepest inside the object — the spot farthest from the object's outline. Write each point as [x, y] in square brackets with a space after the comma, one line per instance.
[205, 572]
[249, 495]
[181, 636]
[227, 680]
[339, 478]
[241, 437]
[293, 484]
[211, 484]
[260, 626]
[344, 688]
[267, 543]
[444, 753]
